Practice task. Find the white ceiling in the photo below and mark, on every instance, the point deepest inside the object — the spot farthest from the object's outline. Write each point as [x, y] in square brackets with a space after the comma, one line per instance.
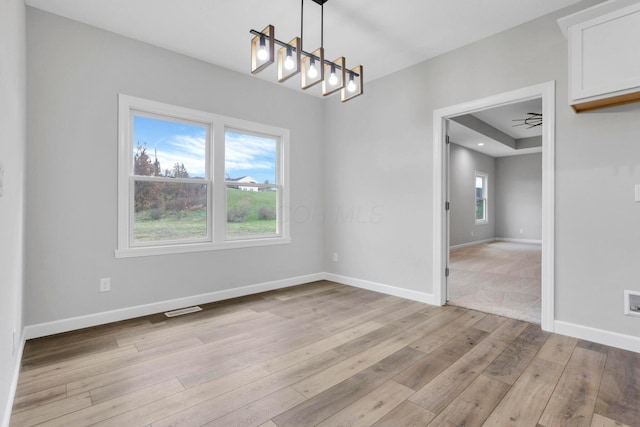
[500, 118]
[383, 36]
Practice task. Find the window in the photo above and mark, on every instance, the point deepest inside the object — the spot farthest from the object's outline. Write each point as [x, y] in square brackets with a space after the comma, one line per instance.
[250, 178]
[170, 180]
[192, 181]
[481, 198]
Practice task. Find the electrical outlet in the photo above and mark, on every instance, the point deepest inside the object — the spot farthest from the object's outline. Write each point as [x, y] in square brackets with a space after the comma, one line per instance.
[105, 285]
[632, 303]
[335, 257]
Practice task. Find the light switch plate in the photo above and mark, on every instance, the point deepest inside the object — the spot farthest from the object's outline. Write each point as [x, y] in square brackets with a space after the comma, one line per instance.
[637, 192]
[1, 178]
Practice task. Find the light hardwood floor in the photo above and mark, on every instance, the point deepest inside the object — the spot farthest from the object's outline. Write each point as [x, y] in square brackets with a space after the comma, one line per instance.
[498, 277]
[329, 355]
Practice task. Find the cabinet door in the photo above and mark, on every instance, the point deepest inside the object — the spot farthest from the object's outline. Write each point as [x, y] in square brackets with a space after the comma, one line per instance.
[605, 55]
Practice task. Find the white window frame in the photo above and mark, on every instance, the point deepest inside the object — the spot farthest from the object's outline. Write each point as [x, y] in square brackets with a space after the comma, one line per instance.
[215, 168]
[485, 198]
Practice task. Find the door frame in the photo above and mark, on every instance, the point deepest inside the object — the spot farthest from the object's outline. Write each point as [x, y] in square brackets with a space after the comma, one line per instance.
[546, 91]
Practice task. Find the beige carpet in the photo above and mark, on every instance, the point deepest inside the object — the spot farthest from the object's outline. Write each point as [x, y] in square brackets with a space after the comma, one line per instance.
[499, 277]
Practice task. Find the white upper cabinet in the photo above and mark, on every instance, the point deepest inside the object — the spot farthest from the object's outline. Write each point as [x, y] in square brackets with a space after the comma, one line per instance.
[604, 55]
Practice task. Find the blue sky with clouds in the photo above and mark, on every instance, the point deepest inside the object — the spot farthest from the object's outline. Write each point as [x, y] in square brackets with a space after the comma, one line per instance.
[245, 155]
[249, 155]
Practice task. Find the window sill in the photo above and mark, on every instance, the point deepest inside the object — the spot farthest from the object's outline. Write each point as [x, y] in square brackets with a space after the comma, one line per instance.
[198, 247]
[482, 222]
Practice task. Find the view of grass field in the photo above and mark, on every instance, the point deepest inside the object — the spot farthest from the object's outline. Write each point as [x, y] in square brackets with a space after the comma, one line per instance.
[480, 209]
[257, 210]
[170, 226]
[248, 213]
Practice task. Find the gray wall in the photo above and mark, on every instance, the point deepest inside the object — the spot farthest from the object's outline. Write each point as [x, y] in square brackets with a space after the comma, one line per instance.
[12, 157]
[519, 197]
[464, 163]
[75, 73]
[376, 195]
[380, 151]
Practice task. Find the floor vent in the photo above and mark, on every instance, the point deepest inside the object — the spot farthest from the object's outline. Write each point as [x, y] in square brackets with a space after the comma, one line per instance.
[182, 311]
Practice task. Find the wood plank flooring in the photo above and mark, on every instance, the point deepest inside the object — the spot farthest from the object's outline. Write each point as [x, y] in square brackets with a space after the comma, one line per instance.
[324, 354]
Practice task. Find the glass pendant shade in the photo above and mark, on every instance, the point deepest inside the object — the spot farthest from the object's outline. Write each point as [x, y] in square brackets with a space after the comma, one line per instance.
[263, 53]
[289, 60]
[334, 76]
[354, 86]
[312, 68]
[262, 50]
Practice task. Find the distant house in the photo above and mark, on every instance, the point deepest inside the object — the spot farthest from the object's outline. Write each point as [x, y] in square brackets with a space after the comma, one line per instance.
[245, 180]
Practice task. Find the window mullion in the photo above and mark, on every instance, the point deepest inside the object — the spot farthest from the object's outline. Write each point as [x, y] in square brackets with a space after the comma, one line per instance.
[131, 211]
[150, 178]
[219, 188]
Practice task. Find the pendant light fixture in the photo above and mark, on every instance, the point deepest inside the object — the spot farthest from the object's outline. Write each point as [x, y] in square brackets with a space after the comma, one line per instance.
[313, 67]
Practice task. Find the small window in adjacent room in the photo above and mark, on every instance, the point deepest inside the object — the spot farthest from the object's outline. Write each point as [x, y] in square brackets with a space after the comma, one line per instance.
[191, 181]
[481, 198]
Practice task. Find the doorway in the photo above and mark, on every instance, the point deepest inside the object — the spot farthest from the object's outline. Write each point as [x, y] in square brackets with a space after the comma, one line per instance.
[441, 260]
[495, 194]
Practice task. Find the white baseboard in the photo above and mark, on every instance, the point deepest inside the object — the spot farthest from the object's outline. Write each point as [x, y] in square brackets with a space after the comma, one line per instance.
[382, 288]
[497, 239]
[613, 339]
[600, 336]
[508, 239]
[477, 242]
[14, 383]
[73, 323]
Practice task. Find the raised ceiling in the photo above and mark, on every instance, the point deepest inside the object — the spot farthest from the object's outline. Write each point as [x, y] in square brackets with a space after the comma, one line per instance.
[500, 120]
[384, 36]
[507, 118]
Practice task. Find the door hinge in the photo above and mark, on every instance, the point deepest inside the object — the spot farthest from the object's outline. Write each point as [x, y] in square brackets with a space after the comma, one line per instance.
[446, 272]
[447, 206]
[446, 139]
